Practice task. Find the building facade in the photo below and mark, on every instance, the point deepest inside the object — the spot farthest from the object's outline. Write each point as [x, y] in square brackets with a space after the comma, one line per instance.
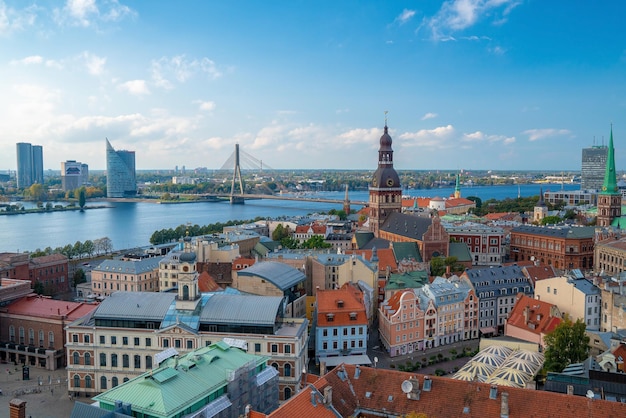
[610, 256]
[592, 167]
[29, 164]
[564, 247]
[577, 298]
[121, 176]
[125, 276]
[401, 323]
[74, 174]
[121, 339]
[385, 191]
[497, 289]
[485, 243]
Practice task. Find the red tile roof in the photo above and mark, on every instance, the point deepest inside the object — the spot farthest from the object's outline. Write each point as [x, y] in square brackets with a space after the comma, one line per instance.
[540, 272]
[386, 258]
[533, 315]
[44, 307]
[207, 284]
[340, 303]
[378, 392]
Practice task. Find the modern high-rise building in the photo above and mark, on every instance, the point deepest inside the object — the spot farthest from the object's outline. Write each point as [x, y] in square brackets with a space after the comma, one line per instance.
[74, 174]
[29, 164]
[593, 166]
[121, 179]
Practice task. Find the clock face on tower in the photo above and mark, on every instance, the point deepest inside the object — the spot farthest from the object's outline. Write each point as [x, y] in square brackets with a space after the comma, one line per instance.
[185, 268]
[389, 182]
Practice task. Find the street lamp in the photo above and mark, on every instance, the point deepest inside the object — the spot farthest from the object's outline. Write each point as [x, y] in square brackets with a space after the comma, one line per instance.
[375, 361]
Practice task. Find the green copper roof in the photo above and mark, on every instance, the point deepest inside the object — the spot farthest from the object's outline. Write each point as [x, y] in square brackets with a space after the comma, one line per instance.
[457, 187]
[182, 383]
[610, 182]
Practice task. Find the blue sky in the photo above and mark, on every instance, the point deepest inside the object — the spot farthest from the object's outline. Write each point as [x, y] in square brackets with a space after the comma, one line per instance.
[468, 84]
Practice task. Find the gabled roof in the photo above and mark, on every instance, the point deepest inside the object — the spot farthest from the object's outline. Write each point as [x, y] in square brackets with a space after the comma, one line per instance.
[362, 238]
[540, 272]
[406, 250]
[386, 258]
[407, 280]
[409, 226]
[534, 315]
[460, 250]
[44, 307]
[340, 304]
[566, 232]
[281, 275]
[378, 392]
[207, 284]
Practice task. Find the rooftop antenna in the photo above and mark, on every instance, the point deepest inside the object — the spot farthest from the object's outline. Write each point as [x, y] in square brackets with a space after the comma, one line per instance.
[386, 111]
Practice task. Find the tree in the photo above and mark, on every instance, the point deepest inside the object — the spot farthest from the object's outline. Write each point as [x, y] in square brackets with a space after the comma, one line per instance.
[567, 344]
[290, 243]
[316, 241]
[280, 232]
[88, 247]
[82, 197]
[551, 220]
[79, 277]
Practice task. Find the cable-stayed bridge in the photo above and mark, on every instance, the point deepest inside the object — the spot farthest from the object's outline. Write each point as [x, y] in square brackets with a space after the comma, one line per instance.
[234, 162]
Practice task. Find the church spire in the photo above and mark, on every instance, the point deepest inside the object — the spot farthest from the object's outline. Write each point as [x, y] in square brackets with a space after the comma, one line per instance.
[457, 187]
[610, 181]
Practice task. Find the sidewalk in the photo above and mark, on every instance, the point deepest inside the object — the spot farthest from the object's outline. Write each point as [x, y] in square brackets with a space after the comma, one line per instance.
[45, 392]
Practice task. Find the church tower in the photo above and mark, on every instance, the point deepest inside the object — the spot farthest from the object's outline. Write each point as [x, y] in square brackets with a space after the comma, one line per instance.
[188, 294]
[457, 187]
[541, 210]
[609, 198]
[385, 189]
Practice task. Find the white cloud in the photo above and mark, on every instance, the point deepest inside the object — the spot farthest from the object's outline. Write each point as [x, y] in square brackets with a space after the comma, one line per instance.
[33, 59]
[205, 106]
[429, 115]
[478, 136]
[405, 16]
[458, 15]
[87, 13]
[361, 136]
[430, 138]
[135, 87]
[94, 63]
[13, 20]
[537, 134]
[167, 69]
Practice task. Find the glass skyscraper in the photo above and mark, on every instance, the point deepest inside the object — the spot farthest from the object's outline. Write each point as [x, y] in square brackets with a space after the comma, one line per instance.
[593, 167]
[29, 164]
[121, 179]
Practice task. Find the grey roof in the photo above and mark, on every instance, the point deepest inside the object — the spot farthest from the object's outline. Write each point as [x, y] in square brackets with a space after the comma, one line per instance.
[241, 309]
[586, 287]
[494, 278]
[135, 305]
[83, 410]
[456, 290]
[409, 226]
[558, 231]
[461, 251]
[129, 267]
[281, 275]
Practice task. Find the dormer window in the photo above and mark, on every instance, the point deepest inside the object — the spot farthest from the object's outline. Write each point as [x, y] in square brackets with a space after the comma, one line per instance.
[330, 317]
[352, 316]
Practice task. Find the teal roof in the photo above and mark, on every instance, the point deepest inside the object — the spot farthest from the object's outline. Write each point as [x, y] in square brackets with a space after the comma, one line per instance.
[362, 238]
[610, 181]
[408, 280]
[406, 251]
[460, 251]
[181, 382]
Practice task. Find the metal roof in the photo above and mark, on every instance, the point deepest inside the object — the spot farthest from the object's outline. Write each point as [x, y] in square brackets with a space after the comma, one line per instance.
[281, 275]
[558, 231]
[241, 309]
[135, 305]
[129, 267]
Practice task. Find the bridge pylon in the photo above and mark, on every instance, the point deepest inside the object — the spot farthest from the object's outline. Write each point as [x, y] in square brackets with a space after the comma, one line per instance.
[237, 199]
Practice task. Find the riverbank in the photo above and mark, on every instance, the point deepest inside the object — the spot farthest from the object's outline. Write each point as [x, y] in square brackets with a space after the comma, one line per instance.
[49, 210]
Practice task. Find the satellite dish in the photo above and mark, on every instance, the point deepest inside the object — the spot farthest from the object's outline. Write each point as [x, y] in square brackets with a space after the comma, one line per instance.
[590, 393]
[407, 386]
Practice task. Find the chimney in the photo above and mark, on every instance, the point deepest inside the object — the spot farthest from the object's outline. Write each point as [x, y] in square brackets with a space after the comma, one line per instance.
[504, 405]
[570, 389]
[328, 395]
[17, 408]
[526, 313]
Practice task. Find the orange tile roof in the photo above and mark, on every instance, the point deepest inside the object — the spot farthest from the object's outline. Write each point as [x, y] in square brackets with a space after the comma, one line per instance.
[541, 272]
[533, 315]
[328, 303]
[207, 284]
[243, 263]
[422, 202]
[44, 307]
[386, 258]
[378, 392]
[460, 201]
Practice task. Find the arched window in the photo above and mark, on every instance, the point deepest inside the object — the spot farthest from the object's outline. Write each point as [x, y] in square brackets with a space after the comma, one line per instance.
[114, 360]
[137, 361]
[125, 379]
[76, 381]
[88, 382]
[185, 292]
[50, 339]
[103, 382]
[11, 333]
[41, 334]
[103, 360]
[287, 370]
[287, 393]
[148, 362]
[125, 361]
[114, 382]
[75, 359]
[87, 359]
[21, 335]
[275, 365]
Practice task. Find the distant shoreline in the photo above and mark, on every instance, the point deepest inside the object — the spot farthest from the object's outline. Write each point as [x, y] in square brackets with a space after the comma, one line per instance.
[44, 210]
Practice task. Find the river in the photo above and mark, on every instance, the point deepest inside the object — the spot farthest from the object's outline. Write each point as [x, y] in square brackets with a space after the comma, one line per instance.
[130, 224]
